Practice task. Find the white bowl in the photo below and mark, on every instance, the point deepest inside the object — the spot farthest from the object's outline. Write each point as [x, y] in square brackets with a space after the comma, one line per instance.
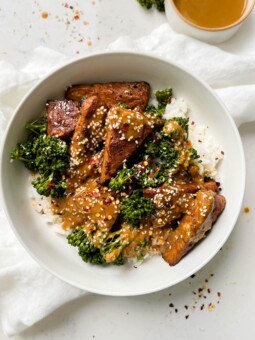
[51, 250]
[210, 35]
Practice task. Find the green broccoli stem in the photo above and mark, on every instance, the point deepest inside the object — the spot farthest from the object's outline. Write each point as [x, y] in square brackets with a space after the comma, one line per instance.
[38, 127]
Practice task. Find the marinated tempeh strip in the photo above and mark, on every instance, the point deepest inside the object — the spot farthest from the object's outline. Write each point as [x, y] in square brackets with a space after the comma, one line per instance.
[126, 130]
[192, 228]
[132, 94]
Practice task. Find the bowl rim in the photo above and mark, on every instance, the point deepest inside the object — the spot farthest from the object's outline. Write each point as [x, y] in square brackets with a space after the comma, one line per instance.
[182, 69]
[212, 29]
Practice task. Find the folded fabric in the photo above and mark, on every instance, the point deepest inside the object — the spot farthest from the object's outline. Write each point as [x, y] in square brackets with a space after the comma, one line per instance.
[232, 75]
[27, 292]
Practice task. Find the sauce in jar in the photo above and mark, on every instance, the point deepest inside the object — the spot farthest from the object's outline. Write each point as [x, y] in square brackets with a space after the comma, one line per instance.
[211, 13]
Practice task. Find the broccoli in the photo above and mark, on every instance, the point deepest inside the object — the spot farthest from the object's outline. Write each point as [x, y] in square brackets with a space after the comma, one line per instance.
[161, 149]
[136, 207]
[122, 179]
[152, 177]
[163, 98]
[184, 123]
[24, 153]
[45, 155]
[149, 3]
[87, 251]
[111, 249]
[37, 127]
[42, 153]
[194, 155]
[47, 185]
[153, 110]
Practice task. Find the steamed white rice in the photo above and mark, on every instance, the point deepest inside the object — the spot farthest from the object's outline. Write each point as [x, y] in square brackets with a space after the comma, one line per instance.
[209, 151]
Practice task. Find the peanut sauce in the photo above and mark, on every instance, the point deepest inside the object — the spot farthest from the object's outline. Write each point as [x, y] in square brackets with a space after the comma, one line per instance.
[211, 13]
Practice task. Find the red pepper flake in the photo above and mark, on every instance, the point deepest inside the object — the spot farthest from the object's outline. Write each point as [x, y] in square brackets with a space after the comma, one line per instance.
[76, 17]
[93, 194]
[93, 162]
[219, 294]
[209, 290]
[222, 152]
[186, 316]
[206, 280]
[200, 290]
[51, 184]
[151, 175]
[125, 127]
[202, 307]
[192, 123]
[66, 5]
[107, 201]
[171, 305]
[199, 141]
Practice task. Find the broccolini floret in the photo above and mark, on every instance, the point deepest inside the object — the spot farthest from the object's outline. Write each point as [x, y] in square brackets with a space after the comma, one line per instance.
[159, 4]
[122, 179]
[45, 155]
[163, 150]
[48, 185]
[42, 153]
[87, 251]
[152, 177]
[113, 246]
[151, 109]
[163, 98]
[37, 127]
[194, 155]
[135, 208]
[184, 123]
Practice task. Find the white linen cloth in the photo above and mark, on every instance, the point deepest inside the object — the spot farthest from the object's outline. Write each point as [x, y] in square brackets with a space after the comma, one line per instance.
[27, 292]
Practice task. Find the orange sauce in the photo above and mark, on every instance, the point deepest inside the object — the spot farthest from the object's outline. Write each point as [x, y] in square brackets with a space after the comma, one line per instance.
[45, 15]
[211, 13]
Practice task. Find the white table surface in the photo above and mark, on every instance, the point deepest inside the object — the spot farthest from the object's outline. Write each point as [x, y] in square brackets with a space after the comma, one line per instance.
[231, 274]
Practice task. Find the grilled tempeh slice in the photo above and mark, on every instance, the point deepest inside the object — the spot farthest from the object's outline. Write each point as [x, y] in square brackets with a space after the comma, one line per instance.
[89, 131]
[126, 130]
[219, 206]
[62, 117]
[192, 228]
[132, 94]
